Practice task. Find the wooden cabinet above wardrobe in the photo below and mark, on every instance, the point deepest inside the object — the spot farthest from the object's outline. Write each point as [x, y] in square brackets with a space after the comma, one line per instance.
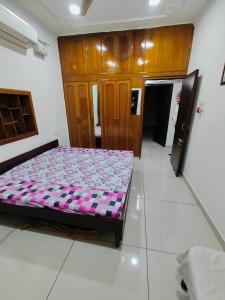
[163, 50]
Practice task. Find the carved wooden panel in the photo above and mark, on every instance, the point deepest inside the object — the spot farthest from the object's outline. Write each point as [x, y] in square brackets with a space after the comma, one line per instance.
[169, 49]
[138, 51]
[123, 99]
[94, 53]
[158, 50]
[79, 114]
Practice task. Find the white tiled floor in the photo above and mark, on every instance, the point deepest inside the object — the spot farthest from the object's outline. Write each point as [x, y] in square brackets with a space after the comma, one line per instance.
[162, 220]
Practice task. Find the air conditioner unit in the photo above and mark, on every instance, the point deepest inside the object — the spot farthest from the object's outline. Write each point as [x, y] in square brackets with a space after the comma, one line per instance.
[16, 30]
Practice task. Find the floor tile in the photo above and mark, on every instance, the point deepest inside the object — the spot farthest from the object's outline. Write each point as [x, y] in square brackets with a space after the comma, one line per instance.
[30, 262]
[162, 269]
[157, 166]
[4, 231]
[174, 227]
[157, 150]
[167, 188]
[94, 272]
[137, 186]
[138, 168]
[134, 233]
[145, 152]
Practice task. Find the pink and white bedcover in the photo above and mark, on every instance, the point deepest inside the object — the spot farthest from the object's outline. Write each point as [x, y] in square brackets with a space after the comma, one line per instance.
[73, 180]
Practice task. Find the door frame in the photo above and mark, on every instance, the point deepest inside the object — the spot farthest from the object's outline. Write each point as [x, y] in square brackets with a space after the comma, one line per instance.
[143, 101]
[99, 84]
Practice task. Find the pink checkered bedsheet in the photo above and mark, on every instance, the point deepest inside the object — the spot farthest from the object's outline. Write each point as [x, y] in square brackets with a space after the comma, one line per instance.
[72, 180]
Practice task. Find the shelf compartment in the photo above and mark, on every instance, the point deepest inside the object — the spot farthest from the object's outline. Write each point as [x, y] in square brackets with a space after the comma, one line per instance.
[17, 119]
[10, 131]
[2, 130]
[30, 126]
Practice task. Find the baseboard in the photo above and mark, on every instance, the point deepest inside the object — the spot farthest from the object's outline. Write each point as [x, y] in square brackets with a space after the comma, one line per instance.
[205, 213]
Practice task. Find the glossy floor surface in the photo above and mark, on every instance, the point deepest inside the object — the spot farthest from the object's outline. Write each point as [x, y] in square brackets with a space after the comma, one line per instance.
[162, 220]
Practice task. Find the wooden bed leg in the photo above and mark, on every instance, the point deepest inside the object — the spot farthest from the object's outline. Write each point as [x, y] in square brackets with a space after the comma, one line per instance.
[118, 237]
[117, 240]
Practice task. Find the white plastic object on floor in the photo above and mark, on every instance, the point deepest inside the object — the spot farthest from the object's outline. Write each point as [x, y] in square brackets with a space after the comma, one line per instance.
[203, 271]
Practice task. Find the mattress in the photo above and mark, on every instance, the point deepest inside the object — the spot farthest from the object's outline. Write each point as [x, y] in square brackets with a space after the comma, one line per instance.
[72, 180]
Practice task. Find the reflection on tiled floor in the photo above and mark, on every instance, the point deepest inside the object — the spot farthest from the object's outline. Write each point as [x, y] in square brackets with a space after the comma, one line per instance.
[162, 220]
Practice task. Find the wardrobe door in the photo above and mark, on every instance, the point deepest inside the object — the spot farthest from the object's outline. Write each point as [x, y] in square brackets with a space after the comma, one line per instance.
[110, 126]
[79, 114]
[116, 110]
[72, 113]
[123, 104]
[84, 119]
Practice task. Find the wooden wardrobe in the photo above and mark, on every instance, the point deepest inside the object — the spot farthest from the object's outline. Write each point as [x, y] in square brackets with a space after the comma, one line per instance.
[118, 62]
[114, 113]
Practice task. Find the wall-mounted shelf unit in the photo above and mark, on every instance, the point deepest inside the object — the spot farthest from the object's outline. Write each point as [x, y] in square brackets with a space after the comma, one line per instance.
[17, 119]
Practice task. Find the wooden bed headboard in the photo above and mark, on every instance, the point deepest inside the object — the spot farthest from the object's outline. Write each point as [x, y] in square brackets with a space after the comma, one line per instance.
[13, 162]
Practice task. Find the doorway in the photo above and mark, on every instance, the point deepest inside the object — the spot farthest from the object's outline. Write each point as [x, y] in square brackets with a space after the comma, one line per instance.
[159, 107]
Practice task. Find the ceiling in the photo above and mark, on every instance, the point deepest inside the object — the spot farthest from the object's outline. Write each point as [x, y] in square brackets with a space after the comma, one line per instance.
[109, 15]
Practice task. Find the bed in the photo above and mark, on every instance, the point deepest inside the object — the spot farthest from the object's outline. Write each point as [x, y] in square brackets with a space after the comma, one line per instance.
[85, 188]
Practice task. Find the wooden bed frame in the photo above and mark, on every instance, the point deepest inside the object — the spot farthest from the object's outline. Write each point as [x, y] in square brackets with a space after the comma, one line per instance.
[78, 220]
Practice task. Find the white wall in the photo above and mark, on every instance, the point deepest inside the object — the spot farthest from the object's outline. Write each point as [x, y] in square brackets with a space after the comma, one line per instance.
[43, 78]
[171, 128]
[205, 159]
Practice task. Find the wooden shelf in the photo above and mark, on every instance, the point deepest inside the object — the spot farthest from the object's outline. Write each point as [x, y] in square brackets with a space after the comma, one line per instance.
[10, 123]
[9, 108]
[17, 119]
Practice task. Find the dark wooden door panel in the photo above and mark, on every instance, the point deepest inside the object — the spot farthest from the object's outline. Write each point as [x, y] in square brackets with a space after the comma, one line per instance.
[182, 127]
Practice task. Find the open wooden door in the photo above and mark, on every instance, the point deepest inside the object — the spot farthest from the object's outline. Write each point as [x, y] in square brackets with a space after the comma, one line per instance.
[182, 127]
